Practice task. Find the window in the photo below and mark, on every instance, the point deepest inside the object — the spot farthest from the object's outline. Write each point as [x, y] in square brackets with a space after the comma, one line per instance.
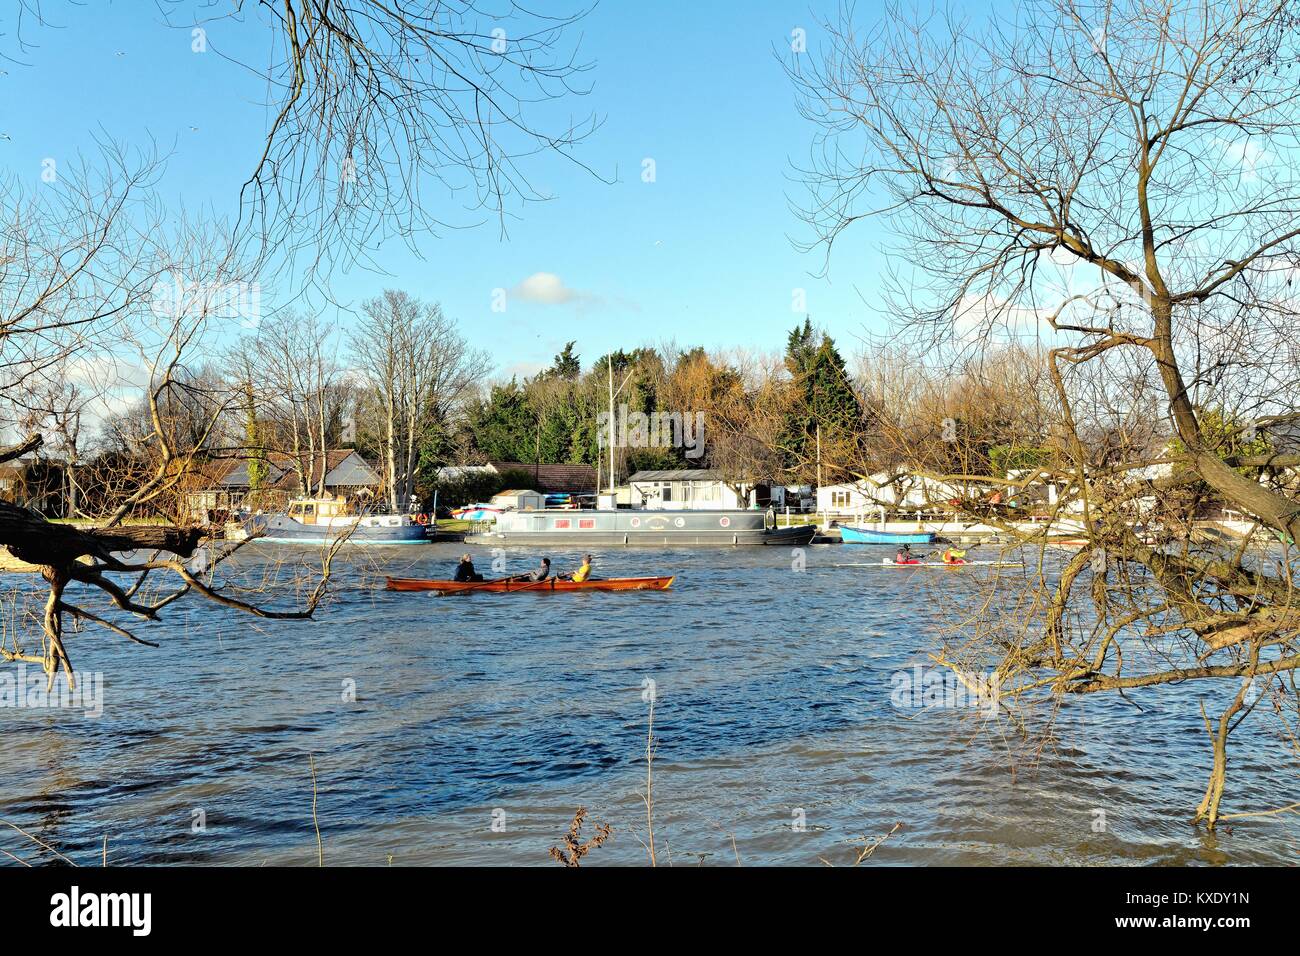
[839, 499]
[667, 492]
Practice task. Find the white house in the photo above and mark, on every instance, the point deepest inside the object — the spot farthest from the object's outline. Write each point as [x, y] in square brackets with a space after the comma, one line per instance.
[689, 489]
[845, 498]
[892, 489]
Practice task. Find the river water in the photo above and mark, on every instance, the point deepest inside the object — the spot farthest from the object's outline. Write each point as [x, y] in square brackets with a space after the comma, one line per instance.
[467, 730]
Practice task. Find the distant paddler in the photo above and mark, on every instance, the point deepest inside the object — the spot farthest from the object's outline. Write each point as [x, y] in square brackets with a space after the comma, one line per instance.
[953, 555]
[465, 570]
[905, 555]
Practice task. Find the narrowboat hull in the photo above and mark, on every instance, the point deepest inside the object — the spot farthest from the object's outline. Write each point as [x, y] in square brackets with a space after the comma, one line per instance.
[643, 528]
[550, 585]
[281, 529]
[852, 534]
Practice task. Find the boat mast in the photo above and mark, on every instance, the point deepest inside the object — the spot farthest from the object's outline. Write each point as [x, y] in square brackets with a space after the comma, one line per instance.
[819, 454]
[610, 358]
[627, 378]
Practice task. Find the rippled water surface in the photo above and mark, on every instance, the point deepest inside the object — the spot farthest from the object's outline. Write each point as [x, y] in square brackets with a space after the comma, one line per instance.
[773, 707]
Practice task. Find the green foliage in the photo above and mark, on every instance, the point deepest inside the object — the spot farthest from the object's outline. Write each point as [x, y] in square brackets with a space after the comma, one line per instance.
[258, 469]
[1005, 458]
[504, 427]
[518, 479]
[552, 418]
[466, 490]
[566, 365]
[800, 347]
[1228, 437]
[824, 396]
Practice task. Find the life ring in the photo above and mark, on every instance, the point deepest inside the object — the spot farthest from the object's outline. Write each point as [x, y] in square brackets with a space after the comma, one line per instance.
[421, 519]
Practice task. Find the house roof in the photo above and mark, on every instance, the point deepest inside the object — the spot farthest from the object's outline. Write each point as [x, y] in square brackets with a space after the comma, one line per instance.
[680, 474]
[344, 467]
[551, 478]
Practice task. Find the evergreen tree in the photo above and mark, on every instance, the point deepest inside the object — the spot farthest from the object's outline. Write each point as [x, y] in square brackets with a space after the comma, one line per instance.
[257, 467]
[566, 365]
[800, 347]
[823, 395]
[504, 427]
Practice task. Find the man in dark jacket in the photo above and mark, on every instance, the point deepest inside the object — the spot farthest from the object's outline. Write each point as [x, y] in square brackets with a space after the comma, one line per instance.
[543, 571]
[465, 570]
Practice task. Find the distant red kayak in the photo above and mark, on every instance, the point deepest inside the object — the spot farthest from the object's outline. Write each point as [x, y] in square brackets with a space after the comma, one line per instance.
[551, 584]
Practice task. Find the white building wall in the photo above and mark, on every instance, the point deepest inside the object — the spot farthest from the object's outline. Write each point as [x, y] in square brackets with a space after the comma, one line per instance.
[688, 496]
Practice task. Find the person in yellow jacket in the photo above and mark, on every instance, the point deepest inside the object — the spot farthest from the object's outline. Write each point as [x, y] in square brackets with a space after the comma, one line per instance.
[954, 556]
[584, 572]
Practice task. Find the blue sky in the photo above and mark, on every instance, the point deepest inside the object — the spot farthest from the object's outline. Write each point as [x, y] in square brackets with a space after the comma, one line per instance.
[702, 255]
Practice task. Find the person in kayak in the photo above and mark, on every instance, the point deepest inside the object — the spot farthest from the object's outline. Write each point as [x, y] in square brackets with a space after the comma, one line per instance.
[465, 570]
[905, 555]
[583, 573]
[953, 555]
[543, 571]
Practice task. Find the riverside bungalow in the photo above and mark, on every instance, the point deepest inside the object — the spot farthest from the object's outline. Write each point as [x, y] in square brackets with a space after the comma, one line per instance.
[691, 489]
[35, 483]
[899, 490]
[347, 475]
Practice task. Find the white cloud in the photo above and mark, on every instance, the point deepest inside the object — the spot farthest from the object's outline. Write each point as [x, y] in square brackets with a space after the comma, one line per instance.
[546, 288]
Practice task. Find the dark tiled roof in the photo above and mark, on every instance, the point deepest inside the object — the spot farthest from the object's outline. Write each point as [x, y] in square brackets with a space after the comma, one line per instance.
[342, 469]
[552, 478]
[679, 474]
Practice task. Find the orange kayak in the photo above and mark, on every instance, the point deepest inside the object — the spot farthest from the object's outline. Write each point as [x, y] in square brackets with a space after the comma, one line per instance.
[550, 584]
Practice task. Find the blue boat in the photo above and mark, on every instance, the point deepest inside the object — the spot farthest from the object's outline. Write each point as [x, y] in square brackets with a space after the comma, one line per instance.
[852, 534]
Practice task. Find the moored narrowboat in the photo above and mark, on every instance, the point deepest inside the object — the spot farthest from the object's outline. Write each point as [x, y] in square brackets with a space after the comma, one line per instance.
[326, 519]
[644, 527]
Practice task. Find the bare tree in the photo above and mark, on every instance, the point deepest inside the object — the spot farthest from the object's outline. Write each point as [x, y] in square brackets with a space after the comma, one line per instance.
[180, 411]
[417, 366]
[1118, 175]
[395, 119]
[57, 405]
[76, 259]
[301, 391]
